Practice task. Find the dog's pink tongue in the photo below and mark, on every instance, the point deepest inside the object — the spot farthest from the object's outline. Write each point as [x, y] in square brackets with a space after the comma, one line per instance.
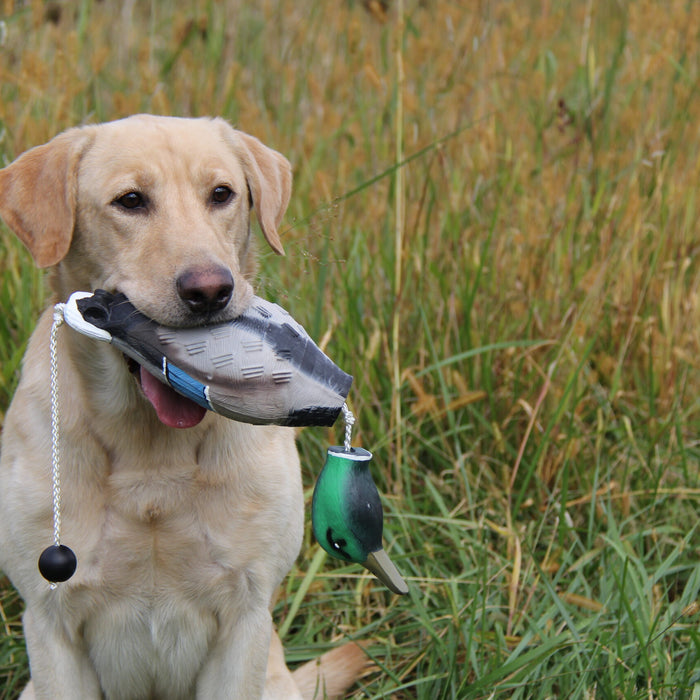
[173, 409]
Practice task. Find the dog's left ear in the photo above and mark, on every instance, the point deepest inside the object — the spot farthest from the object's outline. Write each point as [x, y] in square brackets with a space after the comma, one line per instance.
[269, 177]
[38, 196]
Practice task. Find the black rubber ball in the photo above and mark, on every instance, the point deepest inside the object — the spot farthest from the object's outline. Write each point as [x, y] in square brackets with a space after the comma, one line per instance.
[57, 563]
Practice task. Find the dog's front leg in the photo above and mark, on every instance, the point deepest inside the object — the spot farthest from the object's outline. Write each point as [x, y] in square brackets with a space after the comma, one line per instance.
[237, 664]
[59, 669]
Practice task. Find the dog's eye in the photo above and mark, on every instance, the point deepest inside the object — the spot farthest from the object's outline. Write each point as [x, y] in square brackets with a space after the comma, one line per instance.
[131, 200]
[221, 194]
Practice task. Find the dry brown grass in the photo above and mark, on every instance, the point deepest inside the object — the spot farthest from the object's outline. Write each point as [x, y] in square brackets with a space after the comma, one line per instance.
[548, 295]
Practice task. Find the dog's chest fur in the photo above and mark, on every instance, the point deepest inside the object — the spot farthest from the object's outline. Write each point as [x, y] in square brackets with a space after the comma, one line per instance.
[192, 505]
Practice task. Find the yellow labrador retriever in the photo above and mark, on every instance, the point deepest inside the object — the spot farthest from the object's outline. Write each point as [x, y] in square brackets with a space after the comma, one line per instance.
[181, 535]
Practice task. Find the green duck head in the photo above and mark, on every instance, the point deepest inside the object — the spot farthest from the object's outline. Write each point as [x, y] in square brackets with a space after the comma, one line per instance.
[347, 517]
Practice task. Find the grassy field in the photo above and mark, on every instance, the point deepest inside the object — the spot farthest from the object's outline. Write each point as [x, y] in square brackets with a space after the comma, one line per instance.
[494, 229]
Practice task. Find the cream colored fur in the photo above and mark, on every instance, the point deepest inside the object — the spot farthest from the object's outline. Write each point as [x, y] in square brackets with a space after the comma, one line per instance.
[182, 536]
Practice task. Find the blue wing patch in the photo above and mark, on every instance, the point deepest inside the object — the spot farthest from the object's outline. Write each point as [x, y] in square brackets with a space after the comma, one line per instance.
[187, 386]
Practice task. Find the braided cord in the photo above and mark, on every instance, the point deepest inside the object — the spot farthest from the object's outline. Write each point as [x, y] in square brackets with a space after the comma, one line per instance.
[55, 446]
[349, 419]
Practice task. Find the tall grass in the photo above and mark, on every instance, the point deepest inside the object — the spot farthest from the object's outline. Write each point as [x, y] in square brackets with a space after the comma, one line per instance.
[523, 331]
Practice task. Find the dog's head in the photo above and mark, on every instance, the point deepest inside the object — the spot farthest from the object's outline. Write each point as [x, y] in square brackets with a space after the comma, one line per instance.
[155, 207]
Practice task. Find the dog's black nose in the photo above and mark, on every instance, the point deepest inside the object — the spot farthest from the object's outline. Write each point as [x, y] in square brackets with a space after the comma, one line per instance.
[205, 290]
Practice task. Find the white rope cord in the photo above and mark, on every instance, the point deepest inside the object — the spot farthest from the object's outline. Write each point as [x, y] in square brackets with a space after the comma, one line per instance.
[55, 447]
[349, 419]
